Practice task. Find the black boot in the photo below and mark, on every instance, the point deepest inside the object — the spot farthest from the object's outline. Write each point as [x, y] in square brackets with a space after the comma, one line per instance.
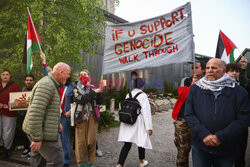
[2, 150]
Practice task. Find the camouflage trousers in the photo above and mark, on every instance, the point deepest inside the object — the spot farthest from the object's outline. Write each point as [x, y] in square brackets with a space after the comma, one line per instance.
[182, 141]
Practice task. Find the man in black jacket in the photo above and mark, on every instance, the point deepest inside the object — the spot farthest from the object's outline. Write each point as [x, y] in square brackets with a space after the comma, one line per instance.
[244, 82]
[218, 112]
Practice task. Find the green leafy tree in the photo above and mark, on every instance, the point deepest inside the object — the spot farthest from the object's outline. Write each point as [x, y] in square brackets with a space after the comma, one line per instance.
[67, 29]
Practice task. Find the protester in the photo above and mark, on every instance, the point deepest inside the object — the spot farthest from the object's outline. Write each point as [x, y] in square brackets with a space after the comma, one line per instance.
[199, 70]
[182, 131]
[42, 120]
[233, 70]
[86, 98]
[29, 83]
[244, 82]
[66, 98]
[218, 112]
[7, 118]
[140, 131]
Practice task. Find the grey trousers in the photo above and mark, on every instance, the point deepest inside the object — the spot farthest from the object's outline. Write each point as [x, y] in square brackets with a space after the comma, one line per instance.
[7, 131]
[50, 153]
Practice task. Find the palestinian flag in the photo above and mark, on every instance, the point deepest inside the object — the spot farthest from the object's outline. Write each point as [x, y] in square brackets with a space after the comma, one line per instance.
[225, 48]
[33, 42]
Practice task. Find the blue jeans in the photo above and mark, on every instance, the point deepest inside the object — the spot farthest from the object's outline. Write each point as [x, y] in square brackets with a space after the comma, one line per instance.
[204, 159]
[65, 138]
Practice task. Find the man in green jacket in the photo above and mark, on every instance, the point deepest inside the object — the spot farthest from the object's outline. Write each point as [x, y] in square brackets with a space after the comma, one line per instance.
[42, 120]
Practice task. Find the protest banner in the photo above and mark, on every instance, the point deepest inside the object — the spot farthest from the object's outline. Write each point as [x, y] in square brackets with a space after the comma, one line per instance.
[19, 100]
[162, 40]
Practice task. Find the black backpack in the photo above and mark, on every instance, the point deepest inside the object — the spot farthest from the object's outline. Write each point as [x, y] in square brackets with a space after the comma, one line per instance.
[130, 109]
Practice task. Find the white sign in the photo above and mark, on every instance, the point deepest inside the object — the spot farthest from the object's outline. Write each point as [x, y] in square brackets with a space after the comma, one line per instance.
[154, 42]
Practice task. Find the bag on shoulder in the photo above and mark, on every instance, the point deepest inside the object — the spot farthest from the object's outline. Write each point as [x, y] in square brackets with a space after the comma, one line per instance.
[130, 109]
[78, 117]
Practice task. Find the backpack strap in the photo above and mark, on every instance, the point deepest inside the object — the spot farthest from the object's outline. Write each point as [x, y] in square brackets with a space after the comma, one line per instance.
[6, 87]
[137, 95]
[130, 95]
[135, 98]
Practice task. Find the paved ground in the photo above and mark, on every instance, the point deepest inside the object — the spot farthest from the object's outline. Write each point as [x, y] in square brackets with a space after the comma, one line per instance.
[162, 155]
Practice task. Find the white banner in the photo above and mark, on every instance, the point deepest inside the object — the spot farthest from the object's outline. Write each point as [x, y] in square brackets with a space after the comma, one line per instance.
[154, 42]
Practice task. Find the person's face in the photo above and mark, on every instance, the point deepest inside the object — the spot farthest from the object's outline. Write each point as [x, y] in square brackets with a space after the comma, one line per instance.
[198, 70]
[5, 76]
[234, 74]
[84, 73]
[214, 70]
[65, 74]
[29, 82]
[85, 78]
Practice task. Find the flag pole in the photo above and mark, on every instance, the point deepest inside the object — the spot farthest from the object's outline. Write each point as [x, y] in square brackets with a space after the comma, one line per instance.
[101, 81]
[34, 29]
[194, 62]
[193, 44]
[240, 52]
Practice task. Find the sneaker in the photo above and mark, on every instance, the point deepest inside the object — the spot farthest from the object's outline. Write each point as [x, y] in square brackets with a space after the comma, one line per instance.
[90, 165]
[99, 153]
[28, 156]
[145, 163]
[25, 153]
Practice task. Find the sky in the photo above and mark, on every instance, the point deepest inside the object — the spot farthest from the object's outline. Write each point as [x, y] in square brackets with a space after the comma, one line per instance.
[232, 17]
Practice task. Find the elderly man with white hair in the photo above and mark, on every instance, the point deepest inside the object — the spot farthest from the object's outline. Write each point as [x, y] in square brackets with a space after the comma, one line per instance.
[218, 112]
[42, 120]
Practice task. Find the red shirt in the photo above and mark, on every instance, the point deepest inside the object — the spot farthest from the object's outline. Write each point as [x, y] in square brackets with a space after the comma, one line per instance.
[4, 98]
[61, 90]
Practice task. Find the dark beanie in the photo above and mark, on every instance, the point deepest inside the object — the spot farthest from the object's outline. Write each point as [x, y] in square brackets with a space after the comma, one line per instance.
[138, 83]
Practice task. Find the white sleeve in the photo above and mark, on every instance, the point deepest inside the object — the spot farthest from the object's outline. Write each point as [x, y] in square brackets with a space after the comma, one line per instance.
[146, 111]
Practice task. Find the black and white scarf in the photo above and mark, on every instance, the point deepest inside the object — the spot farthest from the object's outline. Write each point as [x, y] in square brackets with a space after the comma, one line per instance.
[217, 85]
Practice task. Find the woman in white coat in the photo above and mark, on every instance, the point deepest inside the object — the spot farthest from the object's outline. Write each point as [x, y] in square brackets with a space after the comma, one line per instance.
[140, 131]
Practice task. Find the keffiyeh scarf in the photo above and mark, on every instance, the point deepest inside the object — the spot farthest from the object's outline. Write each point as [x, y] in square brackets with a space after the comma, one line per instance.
[217, 85]
[83, 90]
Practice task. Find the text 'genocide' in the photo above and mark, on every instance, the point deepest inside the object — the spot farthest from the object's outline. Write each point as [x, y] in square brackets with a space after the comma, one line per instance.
[151, 46]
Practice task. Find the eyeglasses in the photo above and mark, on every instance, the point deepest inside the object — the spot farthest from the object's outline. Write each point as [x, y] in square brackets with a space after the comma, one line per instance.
[29, 80]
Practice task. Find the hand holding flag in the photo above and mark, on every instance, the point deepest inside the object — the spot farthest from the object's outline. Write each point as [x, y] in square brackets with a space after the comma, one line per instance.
[243, 62]
[43, 57]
